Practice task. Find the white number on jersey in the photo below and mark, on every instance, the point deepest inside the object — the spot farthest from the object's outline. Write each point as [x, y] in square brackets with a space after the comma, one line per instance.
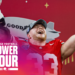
[39, 63]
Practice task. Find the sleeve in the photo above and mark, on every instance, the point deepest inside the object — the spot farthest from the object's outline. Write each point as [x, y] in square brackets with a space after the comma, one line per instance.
[59, 43]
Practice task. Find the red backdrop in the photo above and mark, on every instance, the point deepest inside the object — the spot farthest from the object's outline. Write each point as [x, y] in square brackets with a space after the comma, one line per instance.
[61, 12]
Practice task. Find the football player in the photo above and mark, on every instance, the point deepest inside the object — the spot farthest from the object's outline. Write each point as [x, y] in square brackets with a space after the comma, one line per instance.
[45, 58]
[37, 57]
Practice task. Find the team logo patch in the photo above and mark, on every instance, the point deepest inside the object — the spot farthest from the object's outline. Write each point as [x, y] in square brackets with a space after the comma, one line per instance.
[26, 46]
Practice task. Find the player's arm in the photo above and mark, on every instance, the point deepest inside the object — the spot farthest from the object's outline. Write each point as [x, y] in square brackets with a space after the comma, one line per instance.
[68, 47]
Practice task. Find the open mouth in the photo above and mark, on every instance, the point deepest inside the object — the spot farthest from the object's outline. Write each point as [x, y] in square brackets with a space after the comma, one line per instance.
[40, 32]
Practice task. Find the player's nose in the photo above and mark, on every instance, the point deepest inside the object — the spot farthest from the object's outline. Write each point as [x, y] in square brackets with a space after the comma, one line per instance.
[40, 27]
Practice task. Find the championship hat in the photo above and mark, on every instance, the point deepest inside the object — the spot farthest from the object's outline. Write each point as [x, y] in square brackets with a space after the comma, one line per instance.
[40, 21]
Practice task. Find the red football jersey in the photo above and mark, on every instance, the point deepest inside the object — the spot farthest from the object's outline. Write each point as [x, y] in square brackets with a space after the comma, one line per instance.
[41, 60]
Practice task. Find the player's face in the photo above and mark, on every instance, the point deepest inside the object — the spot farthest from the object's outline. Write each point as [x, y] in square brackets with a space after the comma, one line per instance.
[38, 32]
